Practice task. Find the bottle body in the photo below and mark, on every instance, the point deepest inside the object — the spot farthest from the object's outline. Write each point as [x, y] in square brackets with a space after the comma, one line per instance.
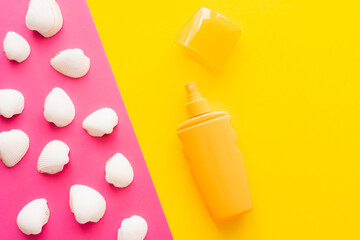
[209, 143]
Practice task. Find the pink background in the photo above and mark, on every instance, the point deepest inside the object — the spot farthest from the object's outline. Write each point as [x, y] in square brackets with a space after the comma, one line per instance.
[35, 78]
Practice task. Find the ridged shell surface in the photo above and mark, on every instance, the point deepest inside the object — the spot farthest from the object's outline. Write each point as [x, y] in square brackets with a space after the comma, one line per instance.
[12, 102]
[132, 228]
[87, 204]
[58, 108]
[53, 157]
[13, 146]
[44, 16]
[100, 122]
[71, 62]
[33, 216]
[119, 171]
[16, 47]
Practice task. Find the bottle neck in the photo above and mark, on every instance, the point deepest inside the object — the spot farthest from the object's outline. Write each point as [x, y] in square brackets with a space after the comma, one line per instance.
[197, 105]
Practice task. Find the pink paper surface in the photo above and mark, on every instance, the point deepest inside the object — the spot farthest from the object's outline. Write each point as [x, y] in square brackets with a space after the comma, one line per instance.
[35, 78]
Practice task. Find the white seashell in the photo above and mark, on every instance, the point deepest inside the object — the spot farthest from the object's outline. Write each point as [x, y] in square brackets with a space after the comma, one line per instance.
[11, 102]
[87, 204]
[44, 16]
[132, 228]
[33, 216]
[13, 146]
[53, 157]
[119, 171]
[16, 47]
[58, 108]
[71, 62]
[100, 122]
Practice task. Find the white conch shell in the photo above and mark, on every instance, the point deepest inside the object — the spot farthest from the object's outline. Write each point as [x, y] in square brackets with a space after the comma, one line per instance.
[44, 16]
[58, 108]
[87, 204]
[33, 216]
[100, 122]
[13, 146]
[53, 157]
[16, 47]
[71, 62]
[132, 228]
[119, 171]
[11, 102]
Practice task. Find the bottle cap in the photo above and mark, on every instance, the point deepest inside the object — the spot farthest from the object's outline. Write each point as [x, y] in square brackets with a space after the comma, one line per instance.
[209, 37]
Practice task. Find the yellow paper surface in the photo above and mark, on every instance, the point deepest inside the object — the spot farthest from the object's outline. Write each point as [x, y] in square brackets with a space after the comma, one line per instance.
[292, 87]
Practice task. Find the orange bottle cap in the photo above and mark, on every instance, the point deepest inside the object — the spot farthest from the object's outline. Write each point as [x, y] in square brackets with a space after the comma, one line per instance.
[209, 37]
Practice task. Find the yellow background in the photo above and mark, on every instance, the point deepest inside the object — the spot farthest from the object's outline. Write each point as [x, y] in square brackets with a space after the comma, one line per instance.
[292, 86]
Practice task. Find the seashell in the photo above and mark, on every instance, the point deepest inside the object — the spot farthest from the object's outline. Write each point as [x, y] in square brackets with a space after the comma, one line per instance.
[11, 102]
[33, 216]
[53, 157]
[87, 204]
[44, 16]
[100, 122]
[132, 228]
[13, 146]
[58, 108]
[16, 47]
[119, 171]
[71, 62]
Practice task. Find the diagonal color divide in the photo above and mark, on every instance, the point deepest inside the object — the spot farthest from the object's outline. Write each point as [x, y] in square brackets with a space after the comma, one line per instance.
[35, 78]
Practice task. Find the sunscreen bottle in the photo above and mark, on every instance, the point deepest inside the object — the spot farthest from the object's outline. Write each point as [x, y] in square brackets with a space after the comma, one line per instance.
[209, 143]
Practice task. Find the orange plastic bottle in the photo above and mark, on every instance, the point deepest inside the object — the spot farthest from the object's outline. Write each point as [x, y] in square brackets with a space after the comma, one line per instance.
[215, 161]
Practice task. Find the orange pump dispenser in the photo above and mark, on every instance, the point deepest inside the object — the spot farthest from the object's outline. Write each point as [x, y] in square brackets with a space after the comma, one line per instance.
[215, 161]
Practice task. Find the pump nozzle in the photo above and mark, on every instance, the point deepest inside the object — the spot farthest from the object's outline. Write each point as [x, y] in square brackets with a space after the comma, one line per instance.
[196, 105]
